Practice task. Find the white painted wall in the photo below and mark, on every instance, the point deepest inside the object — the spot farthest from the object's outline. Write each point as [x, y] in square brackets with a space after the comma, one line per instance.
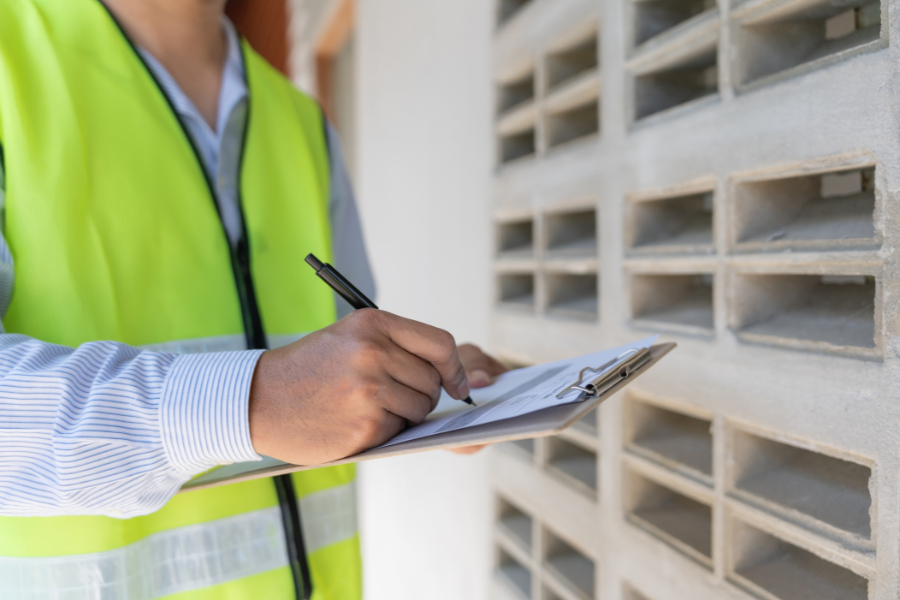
[423, 160]
[424, 157]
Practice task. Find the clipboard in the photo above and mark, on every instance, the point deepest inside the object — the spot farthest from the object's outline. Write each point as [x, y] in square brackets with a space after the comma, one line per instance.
[594, 389]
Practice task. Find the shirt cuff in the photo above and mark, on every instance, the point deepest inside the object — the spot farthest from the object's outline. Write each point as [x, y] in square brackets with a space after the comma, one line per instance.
[204, 410]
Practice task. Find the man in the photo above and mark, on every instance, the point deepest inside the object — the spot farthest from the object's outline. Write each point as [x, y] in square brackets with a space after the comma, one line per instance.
[162, 186]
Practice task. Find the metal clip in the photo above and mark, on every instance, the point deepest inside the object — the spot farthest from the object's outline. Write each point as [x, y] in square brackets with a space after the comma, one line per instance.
[633, 357]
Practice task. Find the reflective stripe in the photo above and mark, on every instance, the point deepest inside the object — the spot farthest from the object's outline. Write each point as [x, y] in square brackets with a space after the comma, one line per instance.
[220, 343]
[163, 563]
[185, 558]
[328, 516]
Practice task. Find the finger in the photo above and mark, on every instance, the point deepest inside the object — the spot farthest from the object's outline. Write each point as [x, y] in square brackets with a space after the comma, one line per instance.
[431, 344]
[497, 367]
[481, 368]
[474, 358]
[388, 426]
[415, 373]
[405, 402]
[468, 449]
[479, 378]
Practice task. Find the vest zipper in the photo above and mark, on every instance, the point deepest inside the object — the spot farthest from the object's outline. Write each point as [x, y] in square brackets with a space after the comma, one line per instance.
[254, 333]
[256, 339]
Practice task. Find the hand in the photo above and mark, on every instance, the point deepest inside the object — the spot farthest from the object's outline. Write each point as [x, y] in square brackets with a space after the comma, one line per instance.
[350, 386]
[481, 370]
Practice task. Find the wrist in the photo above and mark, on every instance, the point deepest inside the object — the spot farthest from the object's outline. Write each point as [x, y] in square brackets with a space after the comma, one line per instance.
[257, 408]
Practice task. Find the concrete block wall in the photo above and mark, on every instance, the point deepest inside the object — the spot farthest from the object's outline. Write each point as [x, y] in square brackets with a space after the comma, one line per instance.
[723, 173]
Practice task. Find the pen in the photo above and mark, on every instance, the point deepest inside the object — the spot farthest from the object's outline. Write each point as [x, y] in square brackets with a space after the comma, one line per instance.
[347, 290]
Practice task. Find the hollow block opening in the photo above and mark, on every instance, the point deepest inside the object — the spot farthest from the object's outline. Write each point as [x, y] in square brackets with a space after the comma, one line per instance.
[829, 489]
[674, 299]
[655, 17]
[574, 123]
[807, 34]
[572, 566]
[682, 223]
[671, 437]
[516, 573]
[589, 423]
[517, 289]
[689, 80]
[827, 207]
[573, 295]
[515, 92]
[516, 239]
[788, 572]
[523, 446]
[669, 515]
[838, 310]
[576, 463]
[517, 145]
[516, 522]
[572, 234]
[508, 9]
[568, 64]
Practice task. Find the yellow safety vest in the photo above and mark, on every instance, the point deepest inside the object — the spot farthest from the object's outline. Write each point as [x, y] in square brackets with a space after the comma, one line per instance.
[116, 236]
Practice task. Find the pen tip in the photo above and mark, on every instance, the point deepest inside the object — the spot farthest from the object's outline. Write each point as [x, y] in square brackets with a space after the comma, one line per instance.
[468, 400]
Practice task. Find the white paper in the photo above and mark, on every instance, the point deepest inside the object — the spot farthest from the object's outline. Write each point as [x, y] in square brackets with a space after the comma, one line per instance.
[517, 393]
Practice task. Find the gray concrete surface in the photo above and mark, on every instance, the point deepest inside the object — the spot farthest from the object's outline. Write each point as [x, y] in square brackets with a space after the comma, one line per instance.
[744, 179]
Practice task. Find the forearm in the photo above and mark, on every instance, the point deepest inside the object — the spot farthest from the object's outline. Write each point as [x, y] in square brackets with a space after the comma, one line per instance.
[107, 429]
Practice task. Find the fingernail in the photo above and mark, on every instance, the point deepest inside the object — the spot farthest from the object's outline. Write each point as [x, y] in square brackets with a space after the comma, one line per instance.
[479, 379]
[463, 390]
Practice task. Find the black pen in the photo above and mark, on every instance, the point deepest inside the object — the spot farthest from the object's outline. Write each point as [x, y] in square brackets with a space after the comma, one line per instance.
[347, 290]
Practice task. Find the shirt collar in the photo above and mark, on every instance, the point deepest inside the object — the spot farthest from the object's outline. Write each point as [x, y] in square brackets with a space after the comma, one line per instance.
[234, 76]
[233, 90]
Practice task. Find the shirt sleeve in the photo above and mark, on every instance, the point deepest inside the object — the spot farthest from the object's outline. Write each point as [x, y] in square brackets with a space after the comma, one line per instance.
[106, 429]
[350, 256]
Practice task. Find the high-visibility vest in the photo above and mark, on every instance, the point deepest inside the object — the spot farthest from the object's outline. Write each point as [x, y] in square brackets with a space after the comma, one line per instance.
[116, 236]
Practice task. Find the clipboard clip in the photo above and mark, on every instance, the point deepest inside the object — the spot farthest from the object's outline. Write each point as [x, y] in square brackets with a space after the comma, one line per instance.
[633, 358]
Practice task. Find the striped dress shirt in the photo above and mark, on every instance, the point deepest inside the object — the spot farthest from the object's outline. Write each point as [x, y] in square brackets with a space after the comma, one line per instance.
[109, 429]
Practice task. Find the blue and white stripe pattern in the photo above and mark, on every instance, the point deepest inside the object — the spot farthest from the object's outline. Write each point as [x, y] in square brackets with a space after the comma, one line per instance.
[106, 429]
[200, 382]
